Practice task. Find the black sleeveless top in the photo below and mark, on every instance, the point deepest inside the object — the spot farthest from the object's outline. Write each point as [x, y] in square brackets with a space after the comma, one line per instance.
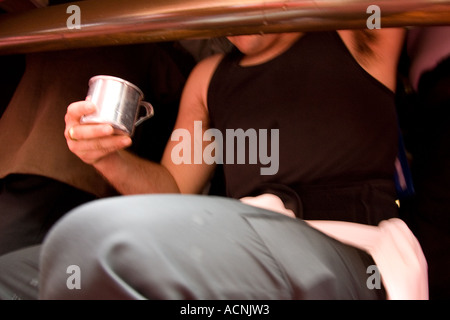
[336, 126]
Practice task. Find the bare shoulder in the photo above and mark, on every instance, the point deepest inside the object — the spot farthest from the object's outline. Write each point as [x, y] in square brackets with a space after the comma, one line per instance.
[377, 51]
[193, 104]
[206, 67]
[200, 77]
[372, 46]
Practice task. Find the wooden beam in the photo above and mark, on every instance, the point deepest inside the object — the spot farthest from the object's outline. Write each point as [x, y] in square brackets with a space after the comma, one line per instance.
[109, 22]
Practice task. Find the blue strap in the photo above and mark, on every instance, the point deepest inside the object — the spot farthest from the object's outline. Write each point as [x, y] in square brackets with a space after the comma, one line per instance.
[403, 177]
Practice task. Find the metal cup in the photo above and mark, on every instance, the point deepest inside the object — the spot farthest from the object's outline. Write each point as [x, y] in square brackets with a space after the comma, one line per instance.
[118, 102]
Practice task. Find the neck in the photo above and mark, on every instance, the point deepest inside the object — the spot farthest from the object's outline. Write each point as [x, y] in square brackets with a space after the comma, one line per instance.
[280, 44]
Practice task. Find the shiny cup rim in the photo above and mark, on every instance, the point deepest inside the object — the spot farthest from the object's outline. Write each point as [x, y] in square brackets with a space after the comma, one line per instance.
[125, 82]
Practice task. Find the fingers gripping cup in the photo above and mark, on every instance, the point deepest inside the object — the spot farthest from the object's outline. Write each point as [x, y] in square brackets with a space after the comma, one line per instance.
[118, 103]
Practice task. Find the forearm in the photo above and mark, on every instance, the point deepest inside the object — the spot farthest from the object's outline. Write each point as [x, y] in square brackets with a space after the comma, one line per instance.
[129, 174]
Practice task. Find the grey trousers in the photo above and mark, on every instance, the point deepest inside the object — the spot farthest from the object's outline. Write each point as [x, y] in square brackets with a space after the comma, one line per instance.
[19, 273]
[195, 247]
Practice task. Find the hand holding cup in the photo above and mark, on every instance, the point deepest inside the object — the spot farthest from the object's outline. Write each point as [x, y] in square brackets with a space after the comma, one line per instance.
[105, 121]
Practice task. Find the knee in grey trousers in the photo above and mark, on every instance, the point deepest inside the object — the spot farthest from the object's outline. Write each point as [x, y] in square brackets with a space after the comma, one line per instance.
[195, 247]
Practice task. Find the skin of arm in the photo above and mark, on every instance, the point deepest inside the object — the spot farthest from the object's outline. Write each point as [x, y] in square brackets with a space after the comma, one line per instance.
[129, 174]
[380, 53]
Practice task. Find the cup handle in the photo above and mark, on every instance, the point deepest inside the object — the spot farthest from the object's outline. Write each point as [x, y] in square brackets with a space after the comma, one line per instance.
[149, 112]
